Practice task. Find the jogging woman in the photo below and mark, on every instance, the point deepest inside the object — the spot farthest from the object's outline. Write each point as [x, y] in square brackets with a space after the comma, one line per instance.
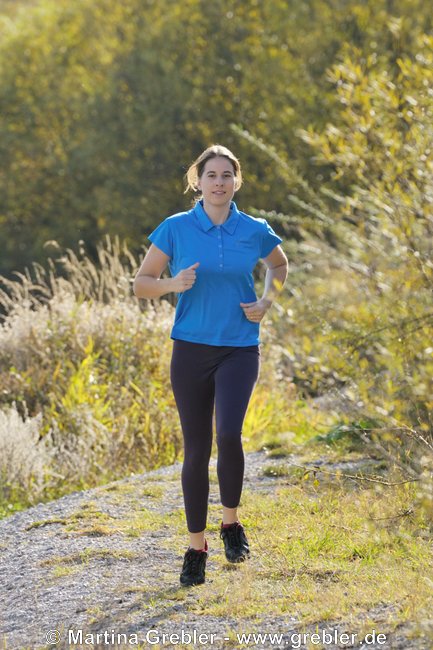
[211, 251]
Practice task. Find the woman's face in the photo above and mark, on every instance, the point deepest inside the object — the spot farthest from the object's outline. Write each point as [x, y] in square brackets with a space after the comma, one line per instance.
[217, 182]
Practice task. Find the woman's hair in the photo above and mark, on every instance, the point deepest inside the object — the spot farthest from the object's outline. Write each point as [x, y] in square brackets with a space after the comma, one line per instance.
[196, 169]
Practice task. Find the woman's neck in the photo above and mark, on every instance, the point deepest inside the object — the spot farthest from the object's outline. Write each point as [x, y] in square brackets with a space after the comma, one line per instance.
[217, 214]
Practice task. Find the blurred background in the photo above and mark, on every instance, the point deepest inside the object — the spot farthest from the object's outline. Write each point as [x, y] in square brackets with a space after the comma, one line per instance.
[103, 105]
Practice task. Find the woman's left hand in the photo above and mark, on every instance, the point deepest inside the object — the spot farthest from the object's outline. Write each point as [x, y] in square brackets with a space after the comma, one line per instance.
[254, 311]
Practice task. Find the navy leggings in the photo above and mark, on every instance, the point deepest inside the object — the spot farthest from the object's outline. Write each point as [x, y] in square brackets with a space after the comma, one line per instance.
[203, 377]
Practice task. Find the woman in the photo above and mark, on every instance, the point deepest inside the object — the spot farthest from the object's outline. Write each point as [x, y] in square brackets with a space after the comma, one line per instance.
[211, 251]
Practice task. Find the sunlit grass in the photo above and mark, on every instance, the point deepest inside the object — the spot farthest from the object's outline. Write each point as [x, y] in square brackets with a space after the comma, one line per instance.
[354, 548]
[318, 554]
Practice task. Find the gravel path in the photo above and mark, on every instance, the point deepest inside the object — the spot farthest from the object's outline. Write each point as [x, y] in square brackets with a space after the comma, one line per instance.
[54, 578]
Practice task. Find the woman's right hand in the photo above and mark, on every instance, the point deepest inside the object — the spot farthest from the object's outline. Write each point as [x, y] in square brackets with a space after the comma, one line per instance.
[185, 279]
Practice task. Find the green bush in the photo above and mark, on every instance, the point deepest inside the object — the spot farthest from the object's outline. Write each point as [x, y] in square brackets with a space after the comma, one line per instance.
[358, 324]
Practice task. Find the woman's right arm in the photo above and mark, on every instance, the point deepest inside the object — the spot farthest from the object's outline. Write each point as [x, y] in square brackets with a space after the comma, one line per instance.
[148, 282]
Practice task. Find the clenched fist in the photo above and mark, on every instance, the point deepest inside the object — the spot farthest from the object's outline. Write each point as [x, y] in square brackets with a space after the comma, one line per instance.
[184, 279]
[254, 311]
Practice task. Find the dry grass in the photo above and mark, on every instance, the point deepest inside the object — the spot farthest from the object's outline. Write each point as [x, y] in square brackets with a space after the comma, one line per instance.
[84, 378]
[322, 555]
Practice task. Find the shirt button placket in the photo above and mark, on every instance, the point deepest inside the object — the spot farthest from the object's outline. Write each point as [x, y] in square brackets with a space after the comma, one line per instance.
[220, 249]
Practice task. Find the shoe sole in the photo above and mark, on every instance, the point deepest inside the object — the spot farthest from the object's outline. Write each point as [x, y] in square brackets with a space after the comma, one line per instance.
[191, 584]
[238, 560]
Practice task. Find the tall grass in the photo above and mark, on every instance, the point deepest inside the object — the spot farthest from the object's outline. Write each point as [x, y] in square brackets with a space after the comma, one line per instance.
[86, 368]
[84, 378]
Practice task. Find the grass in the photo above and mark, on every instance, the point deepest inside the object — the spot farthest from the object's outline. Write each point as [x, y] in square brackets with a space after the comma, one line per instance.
[84, 379]
[322, 555]
[326, 543]
[92, 523]
[319, 555]
[87, 556]
[360, 548]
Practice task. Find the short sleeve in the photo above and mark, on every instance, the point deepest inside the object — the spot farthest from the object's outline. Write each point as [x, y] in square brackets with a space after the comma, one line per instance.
[162, 237]
[269, 240]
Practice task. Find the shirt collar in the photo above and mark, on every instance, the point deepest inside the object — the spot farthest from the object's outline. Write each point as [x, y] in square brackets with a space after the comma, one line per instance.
[229, 225]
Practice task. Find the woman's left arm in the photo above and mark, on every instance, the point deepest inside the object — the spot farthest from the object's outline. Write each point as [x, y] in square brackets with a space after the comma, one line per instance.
[276, 274]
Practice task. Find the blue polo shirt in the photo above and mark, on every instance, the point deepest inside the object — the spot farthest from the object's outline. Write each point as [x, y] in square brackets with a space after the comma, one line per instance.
[210, 312]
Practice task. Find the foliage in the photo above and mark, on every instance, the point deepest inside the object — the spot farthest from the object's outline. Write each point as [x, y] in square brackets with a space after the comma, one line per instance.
[92, 366]
[103, 104]
[359, 320]
[87, 369]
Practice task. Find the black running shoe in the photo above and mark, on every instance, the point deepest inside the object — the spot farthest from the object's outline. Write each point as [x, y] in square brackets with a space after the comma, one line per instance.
[193, 570]
[235, 542]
